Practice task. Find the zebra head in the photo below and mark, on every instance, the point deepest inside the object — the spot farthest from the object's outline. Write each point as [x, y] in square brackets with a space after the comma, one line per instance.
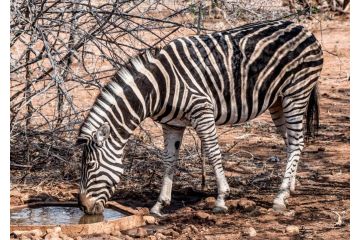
[100, 168]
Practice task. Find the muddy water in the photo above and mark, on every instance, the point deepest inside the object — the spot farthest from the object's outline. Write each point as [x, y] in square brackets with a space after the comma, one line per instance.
[59, 215]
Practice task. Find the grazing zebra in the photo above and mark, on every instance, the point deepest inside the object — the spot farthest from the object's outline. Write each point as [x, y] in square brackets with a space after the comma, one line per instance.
[202, 81]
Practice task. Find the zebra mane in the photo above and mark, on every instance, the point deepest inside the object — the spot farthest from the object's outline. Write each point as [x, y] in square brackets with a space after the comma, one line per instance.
[137, 61]
[126, 73]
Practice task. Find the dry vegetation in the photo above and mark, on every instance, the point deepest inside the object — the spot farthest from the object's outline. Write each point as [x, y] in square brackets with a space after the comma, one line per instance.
[63, 52]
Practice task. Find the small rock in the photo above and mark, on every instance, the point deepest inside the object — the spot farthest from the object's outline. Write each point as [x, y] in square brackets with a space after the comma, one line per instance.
[137, 232]
[24, 237]
[78, 238]
[160, 236]
[232, 204]
[292, 230]
[274, 159]
[321, 149]
[262, 210]
[194, 229]
[36, 233]
[52, 236]
[53, 230]
[18, 234]
[107, 231]
[202, 215]
[290, 213]
[250, 232]
[246, 205]
[186, 230]
[186, 210]
[170, 232]
[128, 238]
[210, 202]
[116, 233]
[149, 219]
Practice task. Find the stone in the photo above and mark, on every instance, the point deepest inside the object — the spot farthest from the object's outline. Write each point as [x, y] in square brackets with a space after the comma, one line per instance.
[292, 230]
[137, 232]
[186, 210]
[149, 219]
[107, 231]
[250, 231]
[54, 230]
[160, 236]
[246, 205]
[78, 238]
[24, 237]
[210, 202]
[290, 213]
[116, 233]
[232, 204]
[18, 234]
[52, 236]
[194, 229]
[170, 232]
[202, 215]
[36, 233]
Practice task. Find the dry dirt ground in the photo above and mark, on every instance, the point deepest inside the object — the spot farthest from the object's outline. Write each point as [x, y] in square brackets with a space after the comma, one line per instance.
[323, 174]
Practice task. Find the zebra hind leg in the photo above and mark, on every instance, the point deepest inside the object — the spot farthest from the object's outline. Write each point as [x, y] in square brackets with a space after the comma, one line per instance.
[293, 112]
[172, 142]
[204, 124]
[276, 112]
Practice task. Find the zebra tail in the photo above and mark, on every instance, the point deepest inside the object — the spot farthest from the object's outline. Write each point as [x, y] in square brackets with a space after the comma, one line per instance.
[312, 115]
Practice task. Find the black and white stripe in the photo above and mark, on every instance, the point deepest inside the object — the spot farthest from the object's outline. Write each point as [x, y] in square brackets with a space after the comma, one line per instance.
[203, 81]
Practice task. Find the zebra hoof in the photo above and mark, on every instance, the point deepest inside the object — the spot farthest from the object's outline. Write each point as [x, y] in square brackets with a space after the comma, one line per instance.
[157, 214]
[220, 209]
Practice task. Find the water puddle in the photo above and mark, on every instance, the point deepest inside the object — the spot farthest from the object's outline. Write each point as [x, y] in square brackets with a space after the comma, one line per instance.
[59, 215]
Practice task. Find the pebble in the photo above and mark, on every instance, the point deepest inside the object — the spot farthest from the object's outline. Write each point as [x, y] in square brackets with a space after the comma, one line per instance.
[160, 236]
[186, 210]
[292, 230]
[170, 232]
[149, 219]
[78, 238]
[203, 215]
[290, 213]
[107, 231]
[246, 204]
[36, 233]
[250, 232]
[24, 237]
[53, 230]
[210, 202]
[52, 236]
[116, 233]
[137, 232]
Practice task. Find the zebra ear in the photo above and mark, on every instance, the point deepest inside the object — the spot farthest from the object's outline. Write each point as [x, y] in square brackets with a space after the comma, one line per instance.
[102, 133]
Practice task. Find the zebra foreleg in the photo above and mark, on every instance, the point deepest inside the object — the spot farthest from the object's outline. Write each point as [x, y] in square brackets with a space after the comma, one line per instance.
[204, 124]
[172, 142]
[295, 136]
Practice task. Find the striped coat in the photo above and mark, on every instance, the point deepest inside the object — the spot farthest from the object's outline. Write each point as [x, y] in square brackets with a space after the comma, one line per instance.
[203, 81]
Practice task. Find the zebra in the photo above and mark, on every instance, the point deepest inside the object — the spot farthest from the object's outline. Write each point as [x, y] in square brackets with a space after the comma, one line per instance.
[202, 81]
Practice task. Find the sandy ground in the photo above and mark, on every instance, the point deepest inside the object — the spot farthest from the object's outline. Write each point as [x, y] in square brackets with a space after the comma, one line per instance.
[323, 174]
